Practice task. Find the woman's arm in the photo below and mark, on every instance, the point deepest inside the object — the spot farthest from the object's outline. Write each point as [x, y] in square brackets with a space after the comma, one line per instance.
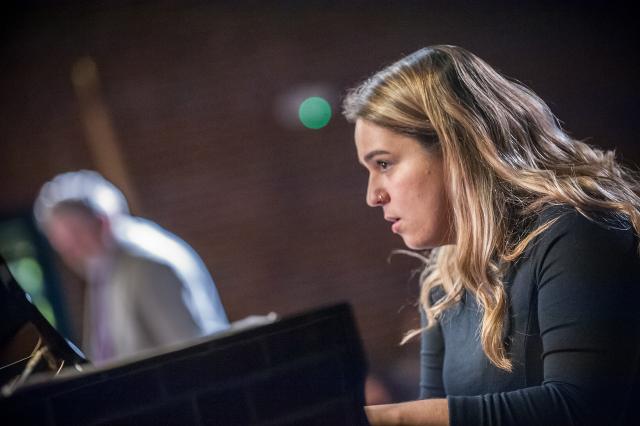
[588, 287]
[587, 299]
[431, 360]
[426, 412]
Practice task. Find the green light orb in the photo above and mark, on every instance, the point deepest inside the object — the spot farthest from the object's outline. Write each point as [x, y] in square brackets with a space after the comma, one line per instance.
[314, 112]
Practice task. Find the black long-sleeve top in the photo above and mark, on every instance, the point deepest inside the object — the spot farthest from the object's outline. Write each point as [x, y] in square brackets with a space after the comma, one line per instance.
[573, 334]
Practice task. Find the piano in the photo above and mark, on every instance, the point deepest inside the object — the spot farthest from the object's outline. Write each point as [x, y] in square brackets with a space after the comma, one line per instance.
[305, 369]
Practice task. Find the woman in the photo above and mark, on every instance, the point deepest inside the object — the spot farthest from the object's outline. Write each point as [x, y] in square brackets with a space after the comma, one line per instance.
[530, 246]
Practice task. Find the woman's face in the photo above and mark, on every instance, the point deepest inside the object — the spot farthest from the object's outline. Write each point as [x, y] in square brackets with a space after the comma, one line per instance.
[407, 181]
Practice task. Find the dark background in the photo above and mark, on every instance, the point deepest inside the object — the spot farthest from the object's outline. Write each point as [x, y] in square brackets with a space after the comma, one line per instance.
[197, 94]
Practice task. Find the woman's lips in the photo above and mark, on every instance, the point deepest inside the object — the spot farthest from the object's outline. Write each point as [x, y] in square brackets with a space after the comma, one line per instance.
[395, 221]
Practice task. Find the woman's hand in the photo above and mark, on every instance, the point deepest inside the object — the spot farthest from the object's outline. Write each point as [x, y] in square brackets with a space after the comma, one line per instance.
[427, 412]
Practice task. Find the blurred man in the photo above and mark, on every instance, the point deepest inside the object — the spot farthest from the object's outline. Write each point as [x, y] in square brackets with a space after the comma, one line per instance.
[146, 287]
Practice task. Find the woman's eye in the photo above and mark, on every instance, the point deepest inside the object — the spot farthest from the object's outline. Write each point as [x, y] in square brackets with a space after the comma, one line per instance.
[383, 165]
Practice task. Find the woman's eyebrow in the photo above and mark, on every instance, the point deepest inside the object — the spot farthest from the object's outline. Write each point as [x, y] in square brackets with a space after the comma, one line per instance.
[372, 154]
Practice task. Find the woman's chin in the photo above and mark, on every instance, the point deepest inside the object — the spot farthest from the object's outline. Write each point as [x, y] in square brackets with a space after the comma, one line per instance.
[414, 245]
[421, 244]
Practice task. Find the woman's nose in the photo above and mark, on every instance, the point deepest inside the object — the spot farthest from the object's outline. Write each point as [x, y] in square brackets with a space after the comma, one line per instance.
[377, 197]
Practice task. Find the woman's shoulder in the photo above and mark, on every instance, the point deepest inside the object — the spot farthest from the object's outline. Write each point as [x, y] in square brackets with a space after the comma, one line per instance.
[590, 241]
[567, 220]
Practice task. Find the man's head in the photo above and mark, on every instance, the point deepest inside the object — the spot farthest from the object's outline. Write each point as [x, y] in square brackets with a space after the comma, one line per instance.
[75, 210]
[77, 233]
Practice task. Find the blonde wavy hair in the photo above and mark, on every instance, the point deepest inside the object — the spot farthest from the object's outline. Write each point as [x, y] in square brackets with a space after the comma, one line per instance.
[506, 158]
